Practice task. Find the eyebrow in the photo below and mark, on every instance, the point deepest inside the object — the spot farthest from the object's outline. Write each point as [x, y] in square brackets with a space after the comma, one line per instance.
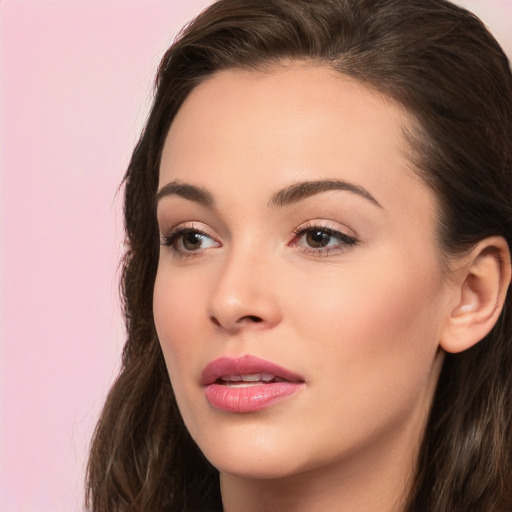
[288, 195]
[186, 191]
[304, 189]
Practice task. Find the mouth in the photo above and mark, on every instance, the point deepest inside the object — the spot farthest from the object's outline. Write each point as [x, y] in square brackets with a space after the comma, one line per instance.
[247, 383]
[246, 370]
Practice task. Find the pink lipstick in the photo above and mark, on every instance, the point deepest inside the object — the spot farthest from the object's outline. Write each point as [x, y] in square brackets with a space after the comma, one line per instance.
[247, 383]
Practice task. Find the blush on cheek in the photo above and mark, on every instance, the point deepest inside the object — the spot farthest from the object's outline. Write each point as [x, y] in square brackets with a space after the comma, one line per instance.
[391, 315]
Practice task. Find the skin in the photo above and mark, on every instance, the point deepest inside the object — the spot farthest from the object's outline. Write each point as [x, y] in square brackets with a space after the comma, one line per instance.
[360, 322]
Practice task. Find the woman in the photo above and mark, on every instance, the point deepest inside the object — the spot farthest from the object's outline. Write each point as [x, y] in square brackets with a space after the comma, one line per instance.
[319, 225]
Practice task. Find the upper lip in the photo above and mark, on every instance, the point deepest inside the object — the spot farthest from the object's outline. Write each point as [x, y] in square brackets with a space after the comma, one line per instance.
[244, 365]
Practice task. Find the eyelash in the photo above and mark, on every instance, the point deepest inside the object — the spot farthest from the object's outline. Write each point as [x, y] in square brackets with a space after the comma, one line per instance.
[345, 242]
[172, 239]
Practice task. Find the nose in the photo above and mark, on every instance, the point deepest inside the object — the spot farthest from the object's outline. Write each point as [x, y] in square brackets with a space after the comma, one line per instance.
[245, 295]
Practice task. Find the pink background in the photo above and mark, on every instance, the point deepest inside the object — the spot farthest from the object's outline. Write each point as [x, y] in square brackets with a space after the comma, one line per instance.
[75, 86]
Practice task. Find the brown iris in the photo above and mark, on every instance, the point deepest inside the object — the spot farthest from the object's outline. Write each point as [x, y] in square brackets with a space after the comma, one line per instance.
[317, 239]
[192, 241]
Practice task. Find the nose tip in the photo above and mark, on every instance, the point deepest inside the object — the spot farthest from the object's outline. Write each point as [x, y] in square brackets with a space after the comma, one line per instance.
[244, 300]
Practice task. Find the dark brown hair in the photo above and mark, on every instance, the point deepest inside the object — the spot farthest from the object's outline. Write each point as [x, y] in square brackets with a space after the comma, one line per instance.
[441, 64]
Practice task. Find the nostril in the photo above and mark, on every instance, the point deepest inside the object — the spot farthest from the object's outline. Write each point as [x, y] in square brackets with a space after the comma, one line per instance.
[252, 318]
[215, 321]
[243, 320]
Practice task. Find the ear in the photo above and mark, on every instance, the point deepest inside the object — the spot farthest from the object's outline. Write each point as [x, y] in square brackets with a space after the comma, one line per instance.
[482, 283]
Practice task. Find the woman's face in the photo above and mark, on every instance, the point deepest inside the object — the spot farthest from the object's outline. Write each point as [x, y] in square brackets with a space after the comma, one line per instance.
[299, 298]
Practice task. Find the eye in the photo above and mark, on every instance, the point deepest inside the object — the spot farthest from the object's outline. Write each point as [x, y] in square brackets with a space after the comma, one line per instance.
[322, 240]
[188, 241]
[318, 238]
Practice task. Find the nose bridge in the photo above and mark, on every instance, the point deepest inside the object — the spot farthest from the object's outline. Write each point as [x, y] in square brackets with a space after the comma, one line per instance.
[244, 295]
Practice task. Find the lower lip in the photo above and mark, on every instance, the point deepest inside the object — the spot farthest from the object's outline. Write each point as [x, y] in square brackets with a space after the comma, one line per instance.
[250, 398]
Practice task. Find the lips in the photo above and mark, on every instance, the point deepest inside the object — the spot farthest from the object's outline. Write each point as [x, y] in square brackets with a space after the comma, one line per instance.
[247, 383]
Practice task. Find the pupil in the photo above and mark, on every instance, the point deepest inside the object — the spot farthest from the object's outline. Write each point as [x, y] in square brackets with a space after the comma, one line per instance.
[191, 241]
[317, 239]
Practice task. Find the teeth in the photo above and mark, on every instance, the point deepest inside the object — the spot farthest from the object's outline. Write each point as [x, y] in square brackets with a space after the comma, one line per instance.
[232, 378]
[251, 378]
[256, 377]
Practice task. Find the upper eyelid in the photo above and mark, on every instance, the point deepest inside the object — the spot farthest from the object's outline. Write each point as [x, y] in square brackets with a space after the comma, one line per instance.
[187, 226]
[335, 233]
[205, 229]
[325, 224]
[175, 233]
[171, 220]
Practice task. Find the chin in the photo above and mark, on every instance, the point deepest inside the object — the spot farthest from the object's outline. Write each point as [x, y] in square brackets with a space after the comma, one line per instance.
[257, 468]
[247, 454]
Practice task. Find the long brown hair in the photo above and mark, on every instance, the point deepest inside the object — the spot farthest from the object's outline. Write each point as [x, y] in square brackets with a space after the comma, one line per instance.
[441, 64]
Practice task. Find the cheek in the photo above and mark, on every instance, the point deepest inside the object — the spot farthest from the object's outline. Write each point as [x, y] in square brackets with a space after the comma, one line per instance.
[180, 327]
[177, 320]
[371, 347]
[374, 321]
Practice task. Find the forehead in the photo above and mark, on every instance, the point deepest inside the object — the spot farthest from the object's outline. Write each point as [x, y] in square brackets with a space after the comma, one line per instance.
[293, 122]
[300, 95]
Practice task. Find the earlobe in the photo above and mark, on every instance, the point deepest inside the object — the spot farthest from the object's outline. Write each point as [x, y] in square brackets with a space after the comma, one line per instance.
[482, 286]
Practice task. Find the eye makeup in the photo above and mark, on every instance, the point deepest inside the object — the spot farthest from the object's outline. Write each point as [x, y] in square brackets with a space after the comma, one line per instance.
[316, 238]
